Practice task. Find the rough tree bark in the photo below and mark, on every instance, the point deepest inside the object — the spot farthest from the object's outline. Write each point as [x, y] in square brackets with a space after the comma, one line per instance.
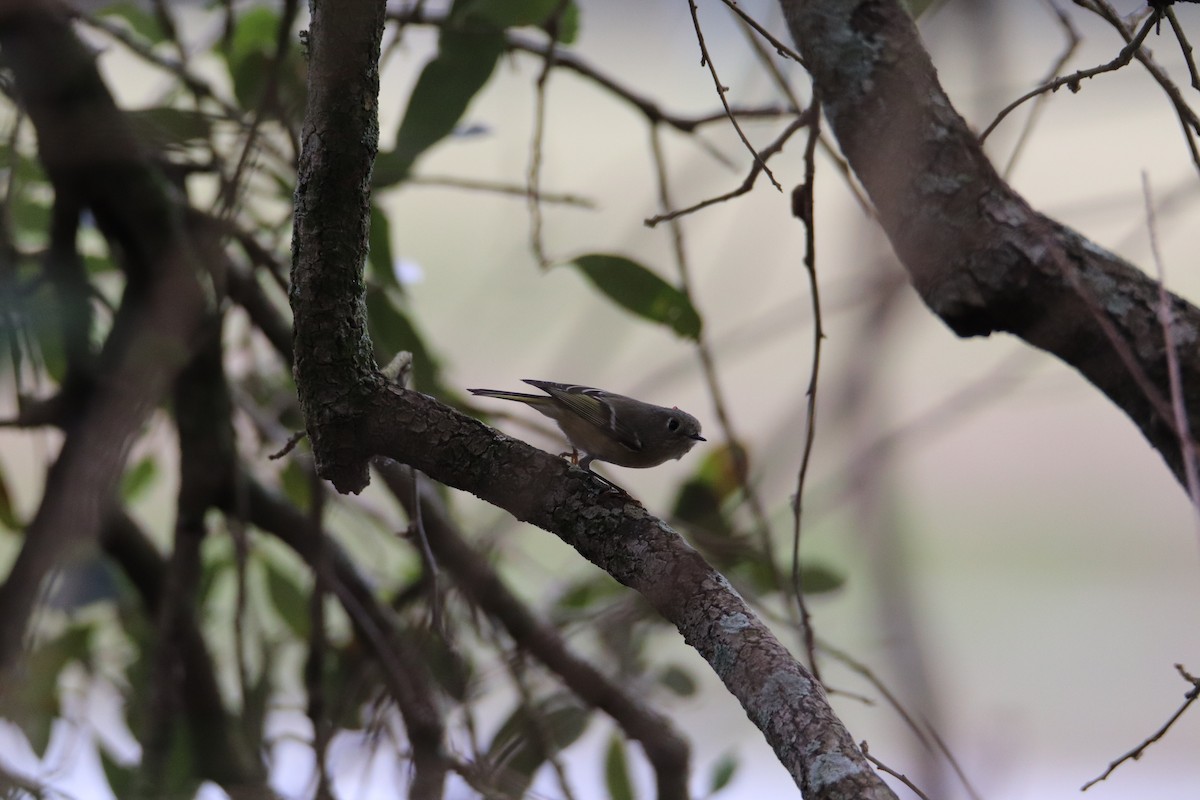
[979, 256]
[351, 414]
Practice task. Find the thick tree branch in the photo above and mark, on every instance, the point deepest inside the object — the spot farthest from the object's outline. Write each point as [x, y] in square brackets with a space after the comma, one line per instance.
[351, 415]
[979, 256]
[617, 534]
[335, 364]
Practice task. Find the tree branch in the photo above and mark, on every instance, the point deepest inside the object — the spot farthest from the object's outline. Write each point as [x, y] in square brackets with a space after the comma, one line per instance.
[335, 364]
[979, 256]
[56, 79]
[617, 534]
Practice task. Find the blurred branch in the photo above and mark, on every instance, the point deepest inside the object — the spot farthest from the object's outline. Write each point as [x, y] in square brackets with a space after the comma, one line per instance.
[665, 748]
[56, 79]
[407, 678]
[222, 754]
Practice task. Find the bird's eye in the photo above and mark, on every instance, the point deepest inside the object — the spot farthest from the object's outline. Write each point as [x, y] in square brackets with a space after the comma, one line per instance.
[672, 424]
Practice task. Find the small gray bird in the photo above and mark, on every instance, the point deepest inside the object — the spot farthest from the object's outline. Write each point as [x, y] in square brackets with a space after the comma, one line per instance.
[610, 427]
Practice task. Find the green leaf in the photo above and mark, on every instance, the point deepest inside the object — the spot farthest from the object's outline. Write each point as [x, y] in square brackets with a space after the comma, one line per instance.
[638, 290]
[34, 708]
[616, 770]
[519, 747]
[820, 578]
[8, 515]
[465, 61]
[122, 780]
[288, 599]
[254, 34]
[250, 60]
[722, 773]
[380, 259]
[521, 13]
[165, 127]
[585, 593]
[138, 478]
[297, 484]
[140, 21]
[392, 331]
[678, 680]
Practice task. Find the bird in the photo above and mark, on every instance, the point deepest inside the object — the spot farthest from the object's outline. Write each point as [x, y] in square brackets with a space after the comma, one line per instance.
[610, 427]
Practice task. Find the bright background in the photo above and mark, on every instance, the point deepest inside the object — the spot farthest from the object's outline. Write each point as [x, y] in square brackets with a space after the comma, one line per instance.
[1022, 570]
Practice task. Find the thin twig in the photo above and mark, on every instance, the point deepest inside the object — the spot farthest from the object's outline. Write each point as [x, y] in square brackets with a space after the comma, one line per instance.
[779, 46]
[741, 465]
[1187, 117]
[533, 192]
[803, 207]
[498, 187]
[1184, 45]
[1174, 379]
[756, 169]
[1137, 752]
[649, 109]
[722, 90]
[897, 775]
[1073, 80]
[1072, 44]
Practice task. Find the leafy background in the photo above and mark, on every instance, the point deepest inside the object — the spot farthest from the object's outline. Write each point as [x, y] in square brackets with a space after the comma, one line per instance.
[974, 505]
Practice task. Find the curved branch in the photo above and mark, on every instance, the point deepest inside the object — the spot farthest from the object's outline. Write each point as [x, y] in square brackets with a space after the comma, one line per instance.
[979, 256]
[617, 534]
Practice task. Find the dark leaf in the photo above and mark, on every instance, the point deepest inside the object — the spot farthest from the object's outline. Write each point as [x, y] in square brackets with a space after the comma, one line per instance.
[380, 258]
[289, 600]
[464, 62]
[138, 478]
[616, 770]
[678, 680]
[519, 747]
[521, 13]
[139, 20]
[166, 127]
[297, 484]
[820, 578]
[392, 332]
[722, 773]
[638, 290]
[8, 515]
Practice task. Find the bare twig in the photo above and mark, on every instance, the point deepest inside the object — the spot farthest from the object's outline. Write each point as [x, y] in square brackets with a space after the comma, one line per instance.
[803, 208]
[741, 465]
[1184, 45]
[1073, 80]
[1137, 752]
[779, 46]
[722, 90]
[1072, 44]
[1174, 381]
[1187, 117]
[497, 187]
[746, 185]
[897, 775]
